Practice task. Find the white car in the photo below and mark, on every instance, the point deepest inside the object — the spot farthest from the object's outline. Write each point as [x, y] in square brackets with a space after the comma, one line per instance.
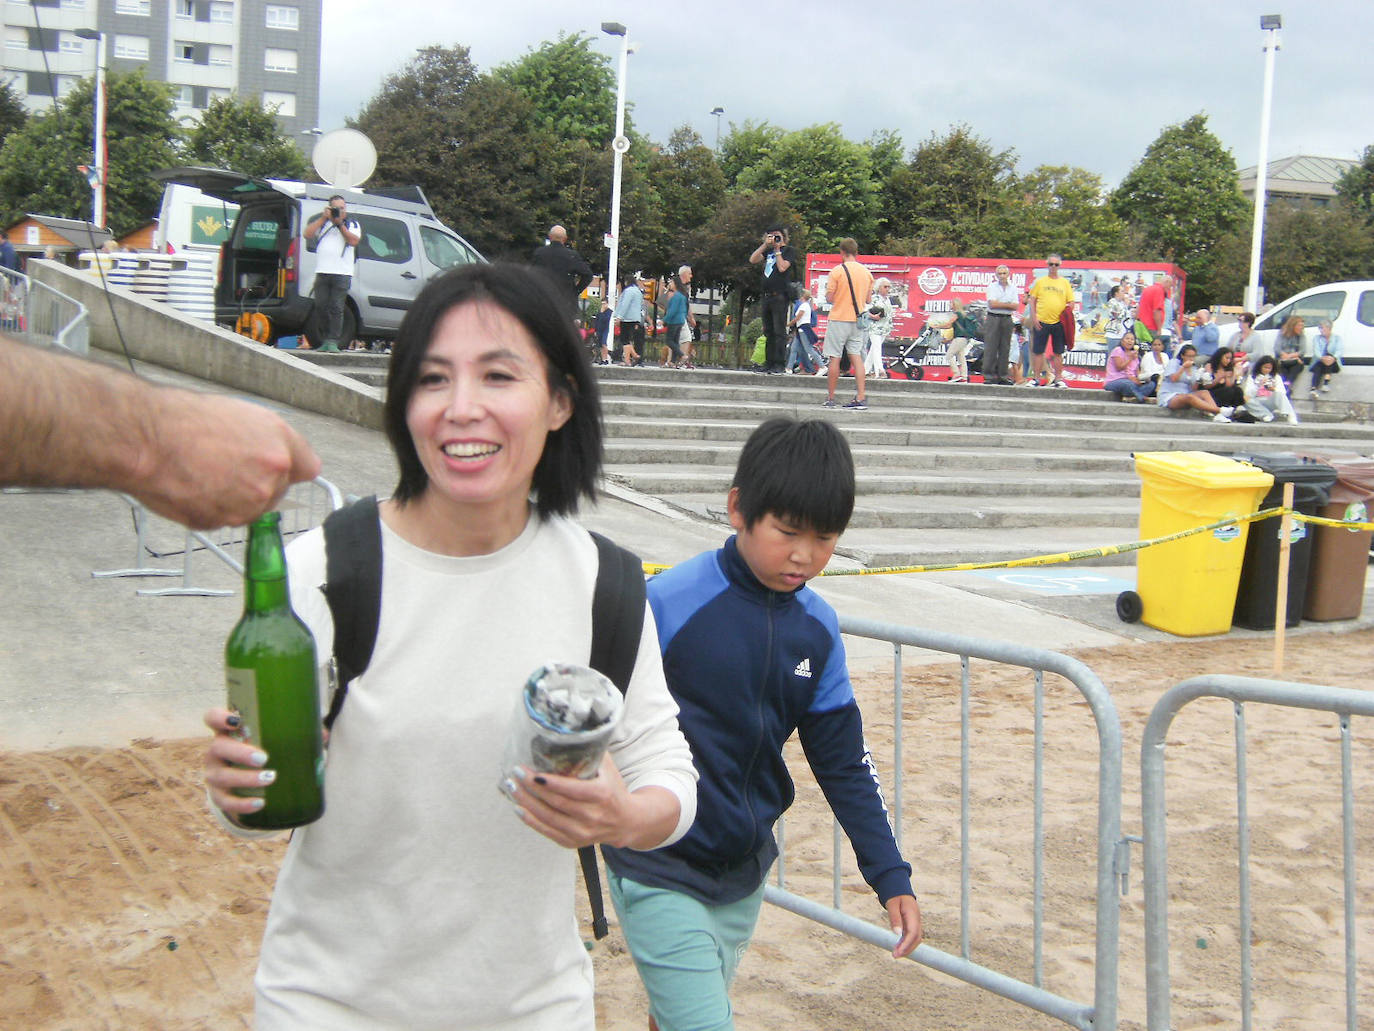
[1350, 307]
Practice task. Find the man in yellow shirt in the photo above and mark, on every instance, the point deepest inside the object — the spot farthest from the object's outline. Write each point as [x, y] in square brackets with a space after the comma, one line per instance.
[1050, 295]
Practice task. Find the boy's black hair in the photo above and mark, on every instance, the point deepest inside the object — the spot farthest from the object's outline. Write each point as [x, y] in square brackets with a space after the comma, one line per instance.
[800, 471]
[570, 467]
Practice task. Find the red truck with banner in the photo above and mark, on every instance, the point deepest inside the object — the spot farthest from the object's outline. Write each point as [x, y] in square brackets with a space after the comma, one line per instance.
[924, 289]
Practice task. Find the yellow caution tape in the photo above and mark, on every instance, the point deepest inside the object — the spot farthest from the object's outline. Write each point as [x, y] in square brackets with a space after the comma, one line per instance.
[651, 569]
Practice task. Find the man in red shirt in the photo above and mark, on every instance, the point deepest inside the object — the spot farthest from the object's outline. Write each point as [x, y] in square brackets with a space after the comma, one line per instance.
[1149, 310]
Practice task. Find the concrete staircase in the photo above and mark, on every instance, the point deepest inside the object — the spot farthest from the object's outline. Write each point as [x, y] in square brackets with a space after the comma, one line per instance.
[946, 473]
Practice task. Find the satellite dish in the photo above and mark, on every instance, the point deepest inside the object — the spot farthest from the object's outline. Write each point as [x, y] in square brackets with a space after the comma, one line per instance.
[344, 158]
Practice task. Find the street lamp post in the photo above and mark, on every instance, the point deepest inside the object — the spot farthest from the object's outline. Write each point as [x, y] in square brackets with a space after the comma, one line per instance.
[1270, 25]
[619, 145]
[717, 111]
[99, 168]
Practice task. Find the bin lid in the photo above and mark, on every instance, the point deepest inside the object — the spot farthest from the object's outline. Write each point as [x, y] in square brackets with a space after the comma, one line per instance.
[1354, 475]
[1311, 479]
[1200, 469]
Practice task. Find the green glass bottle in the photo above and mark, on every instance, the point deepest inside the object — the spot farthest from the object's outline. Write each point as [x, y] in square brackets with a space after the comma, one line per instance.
[269, 664]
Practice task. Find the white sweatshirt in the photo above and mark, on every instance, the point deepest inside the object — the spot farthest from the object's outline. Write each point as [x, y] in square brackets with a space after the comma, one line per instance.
[419, 900]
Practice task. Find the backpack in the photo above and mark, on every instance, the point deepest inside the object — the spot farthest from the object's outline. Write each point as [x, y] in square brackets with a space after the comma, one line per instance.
[353, 589]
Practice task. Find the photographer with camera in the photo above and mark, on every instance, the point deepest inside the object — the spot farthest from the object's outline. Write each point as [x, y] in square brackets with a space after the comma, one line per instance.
[777, 259]
[333, 236]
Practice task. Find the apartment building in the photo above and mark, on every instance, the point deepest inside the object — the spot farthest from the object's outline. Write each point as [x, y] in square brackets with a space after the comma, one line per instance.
[203, 48]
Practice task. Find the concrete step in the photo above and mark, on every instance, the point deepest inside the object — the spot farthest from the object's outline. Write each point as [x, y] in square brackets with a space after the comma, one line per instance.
[955, 512]
[664, 480]
[975, 459]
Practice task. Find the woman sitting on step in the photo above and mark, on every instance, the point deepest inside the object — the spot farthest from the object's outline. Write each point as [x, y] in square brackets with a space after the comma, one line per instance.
[1178, 388]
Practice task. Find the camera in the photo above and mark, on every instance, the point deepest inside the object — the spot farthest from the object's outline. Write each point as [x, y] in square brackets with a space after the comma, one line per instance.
[335, 211]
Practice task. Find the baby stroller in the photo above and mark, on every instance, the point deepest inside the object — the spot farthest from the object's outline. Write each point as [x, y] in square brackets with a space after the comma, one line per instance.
[905, 358]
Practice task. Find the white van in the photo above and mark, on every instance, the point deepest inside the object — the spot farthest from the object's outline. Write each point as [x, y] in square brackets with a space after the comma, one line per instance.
[265, 266]
[1350, 307]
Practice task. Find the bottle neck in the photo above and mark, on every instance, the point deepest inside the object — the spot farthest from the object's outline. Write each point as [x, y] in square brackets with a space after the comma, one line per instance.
[264, 568]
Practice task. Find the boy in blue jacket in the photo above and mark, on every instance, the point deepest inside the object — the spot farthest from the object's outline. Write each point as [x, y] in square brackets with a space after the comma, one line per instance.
[751, 654]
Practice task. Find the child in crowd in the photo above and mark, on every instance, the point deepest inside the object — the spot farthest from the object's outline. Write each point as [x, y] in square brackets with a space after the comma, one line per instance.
[1265, 393]
[752, 654]
[1153, 365]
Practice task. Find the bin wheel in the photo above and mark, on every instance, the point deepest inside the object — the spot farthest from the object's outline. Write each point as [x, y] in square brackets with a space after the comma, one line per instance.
[1129, 607]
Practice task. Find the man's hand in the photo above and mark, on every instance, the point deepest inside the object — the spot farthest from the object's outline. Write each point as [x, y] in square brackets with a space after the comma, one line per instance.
[210, 461]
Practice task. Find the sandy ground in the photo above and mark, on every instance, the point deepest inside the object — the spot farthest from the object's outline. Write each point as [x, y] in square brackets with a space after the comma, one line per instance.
[124, 907]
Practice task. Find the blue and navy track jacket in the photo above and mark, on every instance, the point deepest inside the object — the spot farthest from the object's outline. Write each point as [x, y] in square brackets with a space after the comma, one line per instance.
[747, 666]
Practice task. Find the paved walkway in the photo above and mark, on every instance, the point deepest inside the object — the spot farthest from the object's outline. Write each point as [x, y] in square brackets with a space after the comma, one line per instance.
[88, 662]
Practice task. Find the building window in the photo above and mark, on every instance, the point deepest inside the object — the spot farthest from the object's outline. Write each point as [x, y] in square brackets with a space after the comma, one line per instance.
[65, 84]
[16, 37]
[281, 17]
[274, 60]
[220, 55]
[69, 44]
[131, 48]
[73, 5]
[186, 8]
[216, 93]
[183, 51]
[184, 96]
[39, 85]
[285, 103]
[221, 12]
[142, 8]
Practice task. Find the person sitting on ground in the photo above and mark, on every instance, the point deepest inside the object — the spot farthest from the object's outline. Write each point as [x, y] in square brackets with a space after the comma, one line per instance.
[1154, 363]
[879, 326]
[1240, 341]
[1265, 393]
[1178, 388]
[965, 330]
[1123, 371]
[398, 908]
[1327, 352]
[752, 654]
[1206, 335]
[1291, 349]
[1222, 380]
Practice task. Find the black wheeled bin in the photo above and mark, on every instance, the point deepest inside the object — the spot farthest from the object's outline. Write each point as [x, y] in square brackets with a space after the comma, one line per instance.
[1340, 557]
[1259, 575]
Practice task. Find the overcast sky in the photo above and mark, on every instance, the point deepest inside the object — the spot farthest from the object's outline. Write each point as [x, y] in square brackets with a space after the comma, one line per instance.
[1091, 87]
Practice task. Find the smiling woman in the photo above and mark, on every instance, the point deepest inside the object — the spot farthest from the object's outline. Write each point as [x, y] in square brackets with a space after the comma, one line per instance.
[398, 907]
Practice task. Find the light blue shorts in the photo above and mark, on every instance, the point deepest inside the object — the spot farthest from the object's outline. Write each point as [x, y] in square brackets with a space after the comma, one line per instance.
[686, 951]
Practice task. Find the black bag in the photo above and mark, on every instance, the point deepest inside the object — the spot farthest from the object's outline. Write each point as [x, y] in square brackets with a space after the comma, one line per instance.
[353, 589]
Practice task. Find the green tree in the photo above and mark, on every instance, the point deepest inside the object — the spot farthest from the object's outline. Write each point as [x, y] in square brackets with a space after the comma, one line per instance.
[828, 178]
[1356, 186]
[941, 198]
[570, 87]
[1305, 245]
[13, 114]
[690, 187]
[39, 163]
[1055, 208]
[472, 143]
[746, 147]
[238, 133]
[1181, 197]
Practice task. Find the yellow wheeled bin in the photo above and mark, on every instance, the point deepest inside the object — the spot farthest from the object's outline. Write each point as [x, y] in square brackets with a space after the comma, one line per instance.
[1188, 586]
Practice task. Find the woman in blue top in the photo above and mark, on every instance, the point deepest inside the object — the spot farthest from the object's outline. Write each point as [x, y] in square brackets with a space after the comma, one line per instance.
[1327, 352]
[674, 318]
[1178, 387]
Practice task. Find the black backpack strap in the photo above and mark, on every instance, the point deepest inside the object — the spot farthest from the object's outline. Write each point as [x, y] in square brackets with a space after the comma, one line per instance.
[353, 588]
[617, 625]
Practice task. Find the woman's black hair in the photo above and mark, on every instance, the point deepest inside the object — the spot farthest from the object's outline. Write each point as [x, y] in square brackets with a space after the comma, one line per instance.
[802, 472]
[570, 466]
[1257, 368]
[1215, 360]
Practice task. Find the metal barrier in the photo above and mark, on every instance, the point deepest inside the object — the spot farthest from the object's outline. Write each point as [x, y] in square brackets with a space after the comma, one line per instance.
[303, 508]
[1112, 849]
[37, 314]
[1344, 702]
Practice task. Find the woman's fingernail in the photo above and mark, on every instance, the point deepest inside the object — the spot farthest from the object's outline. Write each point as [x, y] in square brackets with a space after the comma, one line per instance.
[258, 758]
[540, 780]
[233, 719]
[508, 786]
[267, 776]
[519, 771]
[256, 803]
